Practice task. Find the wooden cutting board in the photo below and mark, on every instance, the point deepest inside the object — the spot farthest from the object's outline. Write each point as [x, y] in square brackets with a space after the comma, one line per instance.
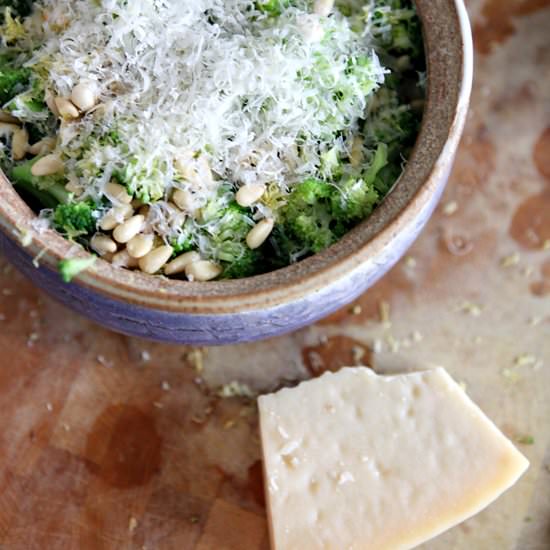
[108, 442]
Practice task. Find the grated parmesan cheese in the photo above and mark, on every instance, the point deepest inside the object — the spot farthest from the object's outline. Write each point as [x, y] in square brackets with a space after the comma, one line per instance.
[238, 86]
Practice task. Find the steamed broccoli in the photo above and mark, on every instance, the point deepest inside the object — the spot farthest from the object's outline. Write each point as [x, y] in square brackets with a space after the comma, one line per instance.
[72, 219]
[48, 191]
[308, 217]
[13, 80]
[75, 219]
[69, 269]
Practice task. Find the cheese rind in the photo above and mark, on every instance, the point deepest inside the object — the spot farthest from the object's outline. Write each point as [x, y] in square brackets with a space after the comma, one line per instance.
[356, 461]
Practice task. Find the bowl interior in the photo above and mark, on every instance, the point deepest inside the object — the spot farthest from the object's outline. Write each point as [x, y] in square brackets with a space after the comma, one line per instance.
[443, 27]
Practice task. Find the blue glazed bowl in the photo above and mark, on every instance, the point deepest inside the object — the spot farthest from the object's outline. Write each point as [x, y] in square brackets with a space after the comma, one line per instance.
[268, 305]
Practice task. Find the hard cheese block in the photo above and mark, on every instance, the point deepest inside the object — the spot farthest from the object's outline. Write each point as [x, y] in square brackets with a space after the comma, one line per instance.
[356, 461]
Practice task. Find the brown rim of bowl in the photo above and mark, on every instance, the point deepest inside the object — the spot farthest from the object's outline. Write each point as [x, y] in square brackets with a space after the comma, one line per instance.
[449, 56]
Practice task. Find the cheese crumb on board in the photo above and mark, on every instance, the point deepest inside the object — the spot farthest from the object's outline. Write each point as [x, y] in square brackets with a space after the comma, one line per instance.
[354, 460]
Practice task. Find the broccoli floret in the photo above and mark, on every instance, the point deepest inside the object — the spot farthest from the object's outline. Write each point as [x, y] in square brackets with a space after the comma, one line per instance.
[273, 7]
[228, 231]
[355, 201]
[397, 28]
[145, 183]
[49, 191]
[75, 219]
[13, 80]
[69, 269]
[248, 264]
[185, 241]
[308, 217]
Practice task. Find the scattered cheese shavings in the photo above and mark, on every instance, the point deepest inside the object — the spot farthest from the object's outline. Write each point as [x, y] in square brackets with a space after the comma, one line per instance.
[470, 308]
[511, 260]
[236, 389]
[450, 208]
[384, 313]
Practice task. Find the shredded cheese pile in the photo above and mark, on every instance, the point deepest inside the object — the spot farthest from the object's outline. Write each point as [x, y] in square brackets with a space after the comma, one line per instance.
[251, 94]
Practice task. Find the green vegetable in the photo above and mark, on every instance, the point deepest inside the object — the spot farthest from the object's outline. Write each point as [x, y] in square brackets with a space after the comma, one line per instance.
[226, 225]
[48, 191]
[69, 269]
[75, 219]
[273, 7]
[13, 80]
[308, 217]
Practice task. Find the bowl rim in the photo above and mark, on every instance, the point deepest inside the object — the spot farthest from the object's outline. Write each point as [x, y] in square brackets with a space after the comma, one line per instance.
[449, 57]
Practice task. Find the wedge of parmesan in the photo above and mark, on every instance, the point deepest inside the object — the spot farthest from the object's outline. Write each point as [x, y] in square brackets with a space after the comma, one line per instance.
[356, 461]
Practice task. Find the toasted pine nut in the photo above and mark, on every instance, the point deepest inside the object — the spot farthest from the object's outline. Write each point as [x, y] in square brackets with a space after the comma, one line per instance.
[184, 200]
[66, 108]
[50, 102]
[117, 193]
[47, 166]
[323, 7]
[156, 259]
[202, 271]
[181, 262]
[7, 117]
[140, 245]
[19, 144]
[45, 145]
[247, 195]
[356, 154]
[7, 129]
[75, 188]
[103, 244]
[123, 259]
[83, 96]
[259, 233]
[126, 231]
[116, 216]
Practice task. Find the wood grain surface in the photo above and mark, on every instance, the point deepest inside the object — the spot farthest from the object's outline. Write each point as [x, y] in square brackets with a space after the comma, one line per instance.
[108, 442]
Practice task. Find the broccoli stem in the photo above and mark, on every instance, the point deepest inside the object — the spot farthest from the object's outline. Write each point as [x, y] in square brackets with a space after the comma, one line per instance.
[48, 197]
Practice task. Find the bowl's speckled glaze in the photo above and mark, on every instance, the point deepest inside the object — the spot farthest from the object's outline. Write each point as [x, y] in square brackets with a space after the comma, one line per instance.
[259, 307]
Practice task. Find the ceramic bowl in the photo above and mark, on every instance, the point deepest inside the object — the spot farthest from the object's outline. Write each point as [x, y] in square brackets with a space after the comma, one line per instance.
[267, 305]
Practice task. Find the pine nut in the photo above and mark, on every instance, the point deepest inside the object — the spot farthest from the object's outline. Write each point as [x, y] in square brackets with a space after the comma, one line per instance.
[123, 259]
[184, 200]
[181, 262]
[126, 231]
[195, 170]
[202, 271]
[19, 144]
[83, 96]
[323, 7]
[116, 216]
[42, 147]
[117, 193]
[66, 109]
[140, 245]
[156, 259]
[50, 102]
[247, 195]
[103, 244]
[356, 154]
[7, 117]
[7, 129]
[259, 233]
[47, 166]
